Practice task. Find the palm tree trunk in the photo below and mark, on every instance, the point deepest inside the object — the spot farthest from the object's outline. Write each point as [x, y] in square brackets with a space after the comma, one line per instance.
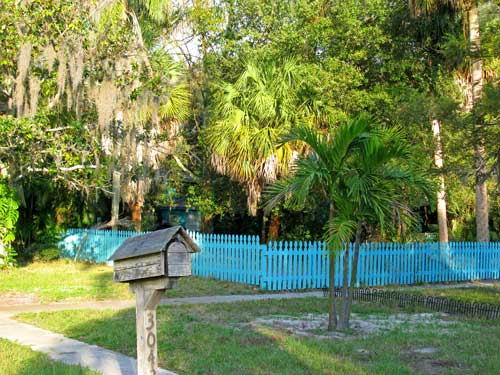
[441, 193]
[354, 273]
[332, 304]
[482, 208]
[344, 318]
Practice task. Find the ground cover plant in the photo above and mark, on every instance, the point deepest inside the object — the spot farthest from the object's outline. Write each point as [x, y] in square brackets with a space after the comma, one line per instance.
[67, 281]
[17, 359]
[237, 338]
[478, 294]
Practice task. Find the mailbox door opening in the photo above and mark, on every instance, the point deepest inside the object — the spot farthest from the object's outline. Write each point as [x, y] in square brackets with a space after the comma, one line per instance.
[178, 260]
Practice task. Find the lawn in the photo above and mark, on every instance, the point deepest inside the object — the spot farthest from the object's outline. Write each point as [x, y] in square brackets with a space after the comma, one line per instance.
[225, 339]
[17, 359]
[64, 280]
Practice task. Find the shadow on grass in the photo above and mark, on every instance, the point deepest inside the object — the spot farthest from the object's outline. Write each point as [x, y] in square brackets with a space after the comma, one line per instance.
[222, 338]
[200, 340]
[16, 359]
[103, 285]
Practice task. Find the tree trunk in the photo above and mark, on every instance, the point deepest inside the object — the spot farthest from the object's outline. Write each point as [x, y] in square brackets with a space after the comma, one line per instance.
[332, 304]
[441, 193]
[254, 191]
[354, 274]
[274, 227]
[482, 228]
[343, 318]
[263, 232]
[3, 253]
[136, 215]
[115, 204]
[206, 224]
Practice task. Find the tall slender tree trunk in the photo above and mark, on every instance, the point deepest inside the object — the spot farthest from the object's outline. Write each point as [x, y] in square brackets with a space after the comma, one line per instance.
[332, 303]
[136, 209]
[343, 316]
[354, 272]
[441, 193]
[263, 229]
[482, 207]
[115, 204]
[3, 253]
[349, 287]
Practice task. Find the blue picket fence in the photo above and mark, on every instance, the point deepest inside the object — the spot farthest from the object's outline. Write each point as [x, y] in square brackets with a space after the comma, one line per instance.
[304, 265]
[228, 257]
[91, 244]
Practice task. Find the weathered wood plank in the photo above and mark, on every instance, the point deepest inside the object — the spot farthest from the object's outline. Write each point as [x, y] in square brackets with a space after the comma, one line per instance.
[139, 268]
[177, 270]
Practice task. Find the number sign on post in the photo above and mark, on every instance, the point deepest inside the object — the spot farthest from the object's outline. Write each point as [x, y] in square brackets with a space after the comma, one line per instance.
[152, 263]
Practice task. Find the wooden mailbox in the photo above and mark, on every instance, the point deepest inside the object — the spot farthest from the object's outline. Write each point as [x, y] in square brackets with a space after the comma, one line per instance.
[152, 263]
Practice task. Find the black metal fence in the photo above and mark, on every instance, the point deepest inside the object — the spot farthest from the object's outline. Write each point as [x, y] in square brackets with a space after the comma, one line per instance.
[441, 304]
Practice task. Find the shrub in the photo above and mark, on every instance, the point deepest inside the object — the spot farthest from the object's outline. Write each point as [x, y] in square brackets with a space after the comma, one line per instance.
[47, 254]
[8, 217]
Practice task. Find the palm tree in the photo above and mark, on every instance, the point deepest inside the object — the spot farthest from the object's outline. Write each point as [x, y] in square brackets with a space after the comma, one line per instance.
[362, 173]
[251, 116]
[473, 81]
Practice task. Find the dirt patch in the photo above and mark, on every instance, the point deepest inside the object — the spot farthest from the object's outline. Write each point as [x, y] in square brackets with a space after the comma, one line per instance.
[14, 298]
[426, 361]
[313, 325]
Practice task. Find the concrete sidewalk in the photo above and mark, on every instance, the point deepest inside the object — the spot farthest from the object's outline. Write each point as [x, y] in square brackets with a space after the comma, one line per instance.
[119, 305]
[61, 348]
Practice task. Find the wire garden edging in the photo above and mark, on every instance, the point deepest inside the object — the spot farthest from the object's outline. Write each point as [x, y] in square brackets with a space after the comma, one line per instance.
[441, 304]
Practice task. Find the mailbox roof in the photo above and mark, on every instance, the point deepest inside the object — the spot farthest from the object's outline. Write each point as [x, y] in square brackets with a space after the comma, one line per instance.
[150, 243]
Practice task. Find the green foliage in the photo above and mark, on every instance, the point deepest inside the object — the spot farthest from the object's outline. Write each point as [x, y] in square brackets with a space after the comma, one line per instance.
[8, 218]
[47, 254]
[205, 201]
[364, 172]
[263, 68]
[251, 116]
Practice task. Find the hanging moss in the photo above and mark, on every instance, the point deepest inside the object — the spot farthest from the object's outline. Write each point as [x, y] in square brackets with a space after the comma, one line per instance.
[23, 64]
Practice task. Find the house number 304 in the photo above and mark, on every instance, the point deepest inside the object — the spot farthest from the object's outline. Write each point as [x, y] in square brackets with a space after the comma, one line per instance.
[151, 341]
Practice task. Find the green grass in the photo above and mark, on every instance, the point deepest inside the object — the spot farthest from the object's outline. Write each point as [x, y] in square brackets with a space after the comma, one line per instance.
[16, 359]
[215, 339]
[479, 294]
[64, 280]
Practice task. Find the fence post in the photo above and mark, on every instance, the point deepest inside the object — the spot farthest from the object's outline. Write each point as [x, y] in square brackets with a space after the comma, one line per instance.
[263, 277]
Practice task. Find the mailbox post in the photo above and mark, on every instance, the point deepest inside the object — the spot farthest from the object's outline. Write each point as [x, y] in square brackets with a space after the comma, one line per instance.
[152, 263]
